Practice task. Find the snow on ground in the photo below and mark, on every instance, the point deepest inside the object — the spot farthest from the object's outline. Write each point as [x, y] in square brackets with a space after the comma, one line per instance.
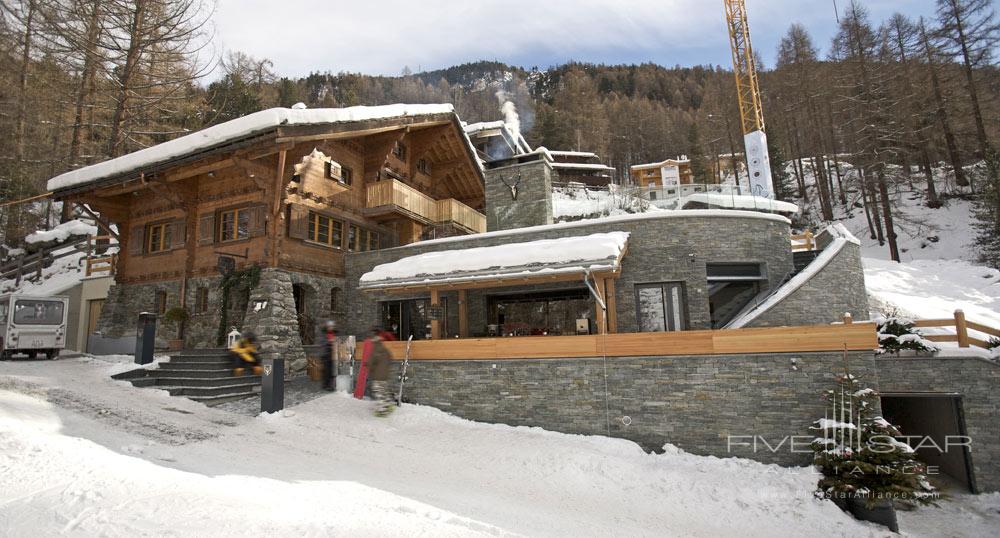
[81, 454]
[59, 277]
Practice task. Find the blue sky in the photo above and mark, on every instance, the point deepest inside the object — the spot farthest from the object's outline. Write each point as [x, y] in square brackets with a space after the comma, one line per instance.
[383, 36]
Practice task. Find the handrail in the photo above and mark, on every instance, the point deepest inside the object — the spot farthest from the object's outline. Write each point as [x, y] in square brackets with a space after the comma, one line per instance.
[961, 327]
[803, 242]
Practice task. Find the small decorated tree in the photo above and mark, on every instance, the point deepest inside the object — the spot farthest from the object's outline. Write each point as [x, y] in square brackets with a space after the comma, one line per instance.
[856, 450]
[897, 333]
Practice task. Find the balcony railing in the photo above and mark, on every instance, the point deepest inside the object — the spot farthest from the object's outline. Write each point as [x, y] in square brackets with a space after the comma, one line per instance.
[451, 210]
[393, 196]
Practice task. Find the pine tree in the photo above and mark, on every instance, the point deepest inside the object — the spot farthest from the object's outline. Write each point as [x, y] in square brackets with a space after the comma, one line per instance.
[986, 213]
[783, 188]
[700, 170]
[857, 452]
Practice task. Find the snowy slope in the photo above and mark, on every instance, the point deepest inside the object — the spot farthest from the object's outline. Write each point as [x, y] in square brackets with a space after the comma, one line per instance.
[84, 455]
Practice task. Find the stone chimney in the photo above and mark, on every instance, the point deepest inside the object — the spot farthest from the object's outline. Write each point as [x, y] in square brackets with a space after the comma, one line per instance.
[519, 192]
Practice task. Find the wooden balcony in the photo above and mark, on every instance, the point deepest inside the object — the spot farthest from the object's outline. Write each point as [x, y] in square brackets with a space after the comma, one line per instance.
[389, 197]
[461, 215]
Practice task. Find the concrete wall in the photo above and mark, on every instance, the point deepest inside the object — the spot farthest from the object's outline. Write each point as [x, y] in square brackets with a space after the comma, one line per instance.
[80, 296]
[839, 287]
[975, 380]
[674, 246]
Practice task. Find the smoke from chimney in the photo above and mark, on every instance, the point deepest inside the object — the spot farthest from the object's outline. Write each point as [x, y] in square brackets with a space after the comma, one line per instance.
[509, 111]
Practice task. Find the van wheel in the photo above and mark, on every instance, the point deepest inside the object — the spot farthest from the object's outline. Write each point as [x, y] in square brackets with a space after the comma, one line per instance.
[52, 354]
[31, 355]
[4, 355]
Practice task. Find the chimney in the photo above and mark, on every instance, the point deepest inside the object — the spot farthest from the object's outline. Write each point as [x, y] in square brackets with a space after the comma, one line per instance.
[519, 192]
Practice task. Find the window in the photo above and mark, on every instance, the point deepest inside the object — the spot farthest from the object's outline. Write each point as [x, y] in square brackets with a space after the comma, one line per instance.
[538, 313]
[234, 224]
[412, 318]
[161, 302]
[38, 312]
[323, 229]
[731, 287]
[334, 299]
[660, 307]
[399, 150]
[373, 241]
[424, 166]
[201, 300]
[157, 237]
[352, 238]
[347, 175]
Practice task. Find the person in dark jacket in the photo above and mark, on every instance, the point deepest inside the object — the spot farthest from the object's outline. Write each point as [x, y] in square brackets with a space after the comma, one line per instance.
[378, 373]
[329, 346]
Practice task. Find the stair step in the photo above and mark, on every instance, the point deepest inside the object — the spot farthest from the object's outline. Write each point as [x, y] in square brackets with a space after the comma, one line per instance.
[143, 382]
[205, 381]
[204, 374]
[213, 365]
[227, 390]
[201, 352]
[184, 359]
[212, 401]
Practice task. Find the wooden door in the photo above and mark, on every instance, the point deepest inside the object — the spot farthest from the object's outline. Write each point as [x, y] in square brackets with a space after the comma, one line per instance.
[93, 314]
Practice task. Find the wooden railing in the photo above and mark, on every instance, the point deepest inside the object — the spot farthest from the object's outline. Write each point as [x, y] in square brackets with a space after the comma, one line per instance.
[35, 262]
[961, 327]
[396, 193]
[811, 338]
[94, 263]
[451, 210]
[391, 193]
[803, 241]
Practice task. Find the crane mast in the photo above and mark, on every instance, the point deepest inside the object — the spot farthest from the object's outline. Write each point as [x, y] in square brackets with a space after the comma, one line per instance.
[748, 93]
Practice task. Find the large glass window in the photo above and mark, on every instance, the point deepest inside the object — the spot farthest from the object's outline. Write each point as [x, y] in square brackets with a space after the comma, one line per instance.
[660, 307]
[545, 313]
[731, 287]
[38, 312]
[412, 318]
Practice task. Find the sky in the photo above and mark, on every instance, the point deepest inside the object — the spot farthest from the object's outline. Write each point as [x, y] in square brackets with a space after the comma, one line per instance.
[384, 36]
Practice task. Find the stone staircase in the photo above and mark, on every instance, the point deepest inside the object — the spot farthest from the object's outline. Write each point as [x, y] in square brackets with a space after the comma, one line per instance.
[203, 375]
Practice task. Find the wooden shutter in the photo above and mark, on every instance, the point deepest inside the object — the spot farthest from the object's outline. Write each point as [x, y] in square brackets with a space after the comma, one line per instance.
[256, 220]
[206, 229]
[178, 234]
[136, 240]
[298, 222]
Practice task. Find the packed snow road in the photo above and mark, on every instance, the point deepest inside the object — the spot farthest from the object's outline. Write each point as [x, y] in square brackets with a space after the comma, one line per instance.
[81, 454]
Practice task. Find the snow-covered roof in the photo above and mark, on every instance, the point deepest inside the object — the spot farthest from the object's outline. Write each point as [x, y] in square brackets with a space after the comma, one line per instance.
[473, 128]
[659, 164]
[740, 201]
[582, 166]
[236, 129]
[597, 252]
[564, 153]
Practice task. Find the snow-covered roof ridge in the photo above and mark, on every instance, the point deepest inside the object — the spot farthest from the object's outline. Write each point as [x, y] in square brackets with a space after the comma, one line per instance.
[664, 214]
[235, 129]
[594, 252]
[568, 153]
[660, 163]
[838, 230]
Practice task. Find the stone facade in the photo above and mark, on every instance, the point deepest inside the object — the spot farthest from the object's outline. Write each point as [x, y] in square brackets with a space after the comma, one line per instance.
[532, 204]
[973, 379]
[668, 247]
[126, 301]
[709, 405]
[271, 317]
[836, 289]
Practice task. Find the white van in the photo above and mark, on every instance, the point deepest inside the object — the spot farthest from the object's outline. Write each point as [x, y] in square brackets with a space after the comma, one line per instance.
[32, 325]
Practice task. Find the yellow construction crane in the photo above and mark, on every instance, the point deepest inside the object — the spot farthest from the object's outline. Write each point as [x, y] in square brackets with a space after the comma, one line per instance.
[748, 93]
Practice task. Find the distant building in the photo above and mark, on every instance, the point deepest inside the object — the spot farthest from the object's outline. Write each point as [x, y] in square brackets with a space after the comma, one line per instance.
[581, 167]
[668, 173]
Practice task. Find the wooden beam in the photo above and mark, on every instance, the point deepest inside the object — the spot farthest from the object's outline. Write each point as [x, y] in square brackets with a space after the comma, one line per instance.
[99, 220]
[492, 283]
[435, 322]
[463, 314]
[259, 174]
[611, 301]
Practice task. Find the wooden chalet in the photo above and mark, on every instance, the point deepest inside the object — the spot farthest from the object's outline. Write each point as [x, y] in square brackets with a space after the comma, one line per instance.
[287, 189]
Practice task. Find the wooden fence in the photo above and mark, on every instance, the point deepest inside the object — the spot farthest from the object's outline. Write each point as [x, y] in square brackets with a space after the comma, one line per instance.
[961, 327]
[36, 261]
[809, 338]
[96, 264]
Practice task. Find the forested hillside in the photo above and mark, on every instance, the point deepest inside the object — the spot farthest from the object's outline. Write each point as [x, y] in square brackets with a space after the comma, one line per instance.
[86, 80]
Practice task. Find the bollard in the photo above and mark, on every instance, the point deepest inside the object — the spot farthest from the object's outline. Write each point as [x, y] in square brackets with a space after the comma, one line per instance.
[145, 337]
[272, 386]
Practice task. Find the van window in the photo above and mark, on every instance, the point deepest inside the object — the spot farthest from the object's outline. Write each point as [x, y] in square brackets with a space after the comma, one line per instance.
[38, 312]
[3, 312]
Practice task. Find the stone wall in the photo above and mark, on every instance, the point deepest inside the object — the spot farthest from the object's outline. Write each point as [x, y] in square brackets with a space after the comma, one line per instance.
[838, 288]
[674, 246]
[532, 205]
[125, 302]
[694, 402]
[271, 317]
[975, 380]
